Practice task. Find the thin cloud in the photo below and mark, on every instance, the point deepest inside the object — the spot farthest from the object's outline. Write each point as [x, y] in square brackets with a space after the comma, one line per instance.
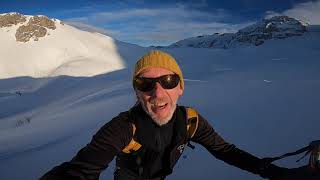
[308, 12]
[167, 24]
[179, 12]
[125, 14]
[90, 28]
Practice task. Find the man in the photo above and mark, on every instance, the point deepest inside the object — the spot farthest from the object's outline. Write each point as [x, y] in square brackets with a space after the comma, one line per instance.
[148, 140]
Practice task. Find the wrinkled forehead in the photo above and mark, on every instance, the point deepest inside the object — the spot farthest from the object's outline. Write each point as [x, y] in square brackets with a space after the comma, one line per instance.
[153, 72]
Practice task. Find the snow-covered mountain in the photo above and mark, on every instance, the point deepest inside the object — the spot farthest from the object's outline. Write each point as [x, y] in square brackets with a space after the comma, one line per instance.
[278, 27]
[264, 99]
[37, 46]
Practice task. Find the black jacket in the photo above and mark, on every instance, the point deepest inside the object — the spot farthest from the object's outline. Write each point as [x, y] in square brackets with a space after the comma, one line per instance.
[161, 148]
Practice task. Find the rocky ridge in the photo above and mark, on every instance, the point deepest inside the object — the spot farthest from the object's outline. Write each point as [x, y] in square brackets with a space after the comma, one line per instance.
[278, 27]
[8, 20]
[33, 27]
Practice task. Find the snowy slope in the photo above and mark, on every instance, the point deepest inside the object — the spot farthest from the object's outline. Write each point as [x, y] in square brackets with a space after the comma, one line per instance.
[63, 51]
[278, 27]
[264, 99]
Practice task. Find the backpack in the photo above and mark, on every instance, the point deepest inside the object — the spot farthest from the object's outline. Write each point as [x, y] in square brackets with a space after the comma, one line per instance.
[192, 126]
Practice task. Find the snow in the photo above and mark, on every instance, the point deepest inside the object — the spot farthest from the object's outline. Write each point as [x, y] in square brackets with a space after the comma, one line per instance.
[63, 51]
[206, 41]
[264, 99]
[255, 34]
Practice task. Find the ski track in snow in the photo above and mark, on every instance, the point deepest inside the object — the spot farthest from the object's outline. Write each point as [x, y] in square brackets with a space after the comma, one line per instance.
[279, 59]
[106, 91]
[55, 109]
[195, 80]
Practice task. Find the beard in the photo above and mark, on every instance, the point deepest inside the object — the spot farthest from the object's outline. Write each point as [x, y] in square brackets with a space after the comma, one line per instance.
[148, 106]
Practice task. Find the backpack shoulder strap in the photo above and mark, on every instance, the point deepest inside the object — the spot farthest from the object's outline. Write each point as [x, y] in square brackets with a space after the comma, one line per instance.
[192, 126]
[192, 121]
[133, 145]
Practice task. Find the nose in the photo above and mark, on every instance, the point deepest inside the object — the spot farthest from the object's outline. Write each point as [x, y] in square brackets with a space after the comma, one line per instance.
[158, 90]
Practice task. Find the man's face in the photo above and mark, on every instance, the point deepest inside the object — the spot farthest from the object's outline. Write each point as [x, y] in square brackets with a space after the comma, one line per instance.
[159, 103]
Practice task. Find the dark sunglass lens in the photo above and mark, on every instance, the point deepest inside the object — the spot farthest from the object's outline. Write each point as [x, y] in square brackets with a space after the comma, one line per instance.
[144, 84]
[169, 81]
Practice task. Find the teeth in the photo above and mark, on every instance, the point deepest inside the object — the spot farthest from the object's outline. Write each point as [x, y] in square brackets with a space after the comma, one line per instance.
[160, 105]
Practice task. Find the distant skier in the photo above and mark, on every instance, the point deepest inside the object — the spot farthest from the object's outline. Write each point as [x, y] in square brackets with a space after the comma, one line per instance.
[148, 139]
[19, 93]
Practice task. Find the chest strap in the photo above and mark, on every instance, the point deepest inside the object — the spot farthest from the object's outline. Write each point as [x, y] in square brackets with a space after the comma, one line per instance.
[192, 122]
[133, 145]
[192, 126]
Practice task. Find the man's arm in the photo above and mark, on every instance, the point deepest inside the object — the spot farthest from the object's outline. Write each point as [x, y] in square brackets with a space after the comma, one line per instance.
[91, 160]
[229, 153]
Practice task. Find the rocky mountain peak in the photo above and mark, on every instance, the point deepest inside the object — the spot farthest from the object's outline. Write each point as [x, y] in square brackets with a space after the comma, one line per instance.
[28, 27]
[7, 20]
[277, 27]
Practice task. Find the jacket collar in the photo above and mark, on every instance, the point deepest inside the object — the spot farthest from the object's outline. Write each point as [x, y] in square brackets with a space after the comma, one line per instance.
[180, 124]
[178, 118]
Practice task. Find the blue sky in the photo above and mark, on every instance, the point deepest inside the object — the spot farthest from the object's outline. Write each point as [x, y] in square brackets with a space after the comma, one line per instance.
[146, 22]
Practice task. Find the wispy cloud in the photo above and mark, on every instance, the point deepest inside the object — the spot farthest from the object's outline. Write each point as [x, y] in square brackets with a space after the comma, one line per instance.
[169, 14]
[162, 25]
[90, 28]
[308, 12]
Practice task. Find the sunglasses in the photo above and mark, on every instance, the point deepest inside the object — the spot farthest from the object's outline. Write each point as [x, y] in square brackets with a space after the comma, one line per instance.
[144, 84]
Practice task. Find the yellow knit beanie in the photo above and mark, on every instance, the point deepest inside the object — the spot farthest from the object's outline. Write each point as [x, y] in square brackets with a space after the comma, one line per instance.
[158, 59]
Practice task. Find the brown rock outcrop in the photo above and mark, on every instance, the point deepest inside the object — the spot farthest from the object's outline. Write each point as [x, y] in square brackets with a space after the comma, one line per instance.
[8, 20]
[43, 21]
[35, 29]
[26, 32]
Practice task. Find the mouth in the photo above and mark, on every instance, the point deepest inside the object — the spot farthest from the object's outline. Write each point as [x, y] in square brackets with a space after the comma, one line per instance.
[159, 106]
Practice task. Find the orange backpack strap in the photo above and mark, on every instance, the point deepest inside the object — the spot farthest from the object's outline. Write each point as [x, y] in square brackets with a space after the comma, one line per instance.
[133, 145]
[192, 121]
[192, 126]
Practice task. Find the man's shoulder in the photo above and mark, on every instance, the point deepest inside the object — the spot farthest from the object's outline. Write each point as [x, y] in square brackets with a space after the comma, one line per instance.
[122, 117]
[119, 123]
[120, 120]
[184, 107]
